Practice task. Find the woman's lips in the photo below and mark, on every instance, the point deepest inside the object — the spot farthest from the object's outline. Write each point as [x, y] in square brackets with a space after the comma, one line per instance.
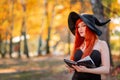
[80, 32]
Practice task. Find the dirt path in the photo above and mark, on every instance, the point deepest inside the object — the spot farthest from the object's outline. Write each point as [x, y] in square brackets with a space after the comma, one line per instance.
[38, 68]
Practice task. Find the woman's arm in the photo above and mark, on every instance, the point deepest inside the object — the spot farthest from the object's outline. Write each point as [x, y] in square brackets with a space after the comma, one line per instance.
[104, 68]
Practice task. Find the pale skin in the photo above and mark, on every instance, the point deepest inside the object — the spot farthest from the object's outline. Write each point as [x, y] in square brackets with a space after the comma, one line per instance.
[100, 46]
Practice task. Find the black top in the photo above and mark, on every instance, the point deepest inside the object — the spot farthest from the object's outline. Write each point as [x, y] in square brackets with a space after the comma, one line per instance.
[96, 57]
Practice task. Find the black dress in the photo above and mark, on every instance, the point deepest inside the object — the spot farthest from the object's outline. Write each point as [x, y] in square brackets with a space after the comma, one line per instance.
[96, 57]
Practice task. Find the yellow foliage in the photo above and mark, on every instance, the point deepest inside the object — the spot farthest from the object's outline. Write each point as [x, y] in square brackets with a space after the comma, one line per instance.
[36, 19]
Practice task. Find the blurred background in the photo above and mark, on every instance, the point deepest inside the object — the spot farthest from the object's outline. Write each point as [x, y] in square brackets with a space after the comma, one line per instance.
[34, 37]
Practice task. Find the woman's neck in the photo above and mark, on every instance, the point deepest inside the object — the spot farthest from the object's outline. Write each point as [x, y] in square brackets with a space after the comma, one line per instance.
[83, 46]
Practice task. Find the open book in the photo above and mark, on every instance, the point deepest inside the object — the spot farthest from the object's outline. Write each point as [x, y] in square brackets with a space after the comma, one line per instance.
[87, 61]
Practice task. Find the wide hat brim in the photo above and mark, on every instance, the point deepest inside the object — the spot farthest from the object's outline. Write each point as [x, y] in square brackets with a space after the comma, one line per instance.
[89, 20]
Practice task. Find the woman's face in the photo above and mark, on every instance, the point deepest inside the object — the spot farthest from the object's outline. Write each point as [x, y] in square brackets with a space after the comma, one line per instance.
[82, 29]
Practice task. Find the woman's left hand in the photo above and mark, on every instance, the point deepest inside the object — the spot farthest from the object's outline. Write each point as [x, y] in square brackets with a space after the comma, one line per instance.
[80, 68]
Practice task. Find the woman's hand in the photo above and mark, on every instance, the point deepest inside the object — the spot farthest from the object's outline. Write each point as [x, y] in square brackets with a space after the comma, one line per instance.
[80, 68]
[70, 69]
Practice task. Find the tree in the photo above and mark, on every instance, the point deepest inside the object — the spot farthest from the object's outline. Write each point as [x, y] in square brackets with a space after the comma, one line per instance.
[11, 30]
[39, 45]
[49, 24]
[69, 35]
[83, 6]
[98, 11]
[23, 29]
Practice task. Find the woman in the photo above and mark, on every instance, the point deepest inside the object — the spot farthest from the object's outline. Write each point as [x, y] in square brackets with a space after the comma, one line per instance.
[87, 44]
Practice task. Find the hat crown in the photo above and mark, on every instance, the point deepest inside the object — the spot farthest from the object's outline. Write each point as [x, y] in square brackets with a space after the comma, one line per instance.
[88, 18]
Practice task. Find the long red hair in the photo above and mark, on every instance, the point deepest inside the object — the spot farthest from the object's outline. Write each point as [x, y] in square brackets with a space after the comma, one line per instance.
[90, 38]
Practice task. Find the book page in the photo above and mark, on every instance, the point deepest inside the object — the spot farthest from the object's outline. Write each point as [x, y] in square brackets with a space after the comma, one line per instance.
[86, 58]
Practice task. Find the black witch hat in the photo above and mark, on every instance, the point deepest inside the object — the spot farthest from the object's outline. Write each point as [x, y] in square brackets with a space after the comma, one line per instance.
[90, 20]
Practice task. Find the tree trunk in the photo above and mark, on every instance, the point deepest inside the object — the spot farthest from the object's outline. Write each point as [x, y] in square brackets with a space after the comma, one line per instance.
[39, 46]
[107, 10]
[25, 45]
[41, 30]
[10, 47]
[49, 25]
[11, 29]
[0, 45]
[98, 11]
[48, 38]
[19, 49]
[23, 30]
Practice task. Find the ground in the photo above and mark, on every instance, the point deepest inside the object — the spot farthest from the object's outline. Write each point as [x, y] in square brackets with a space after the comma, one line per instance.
[37, 68]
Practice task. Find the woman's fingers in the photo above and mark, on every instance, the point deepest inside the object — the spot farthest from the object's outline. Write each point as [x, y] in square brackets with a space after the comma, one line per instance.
[70, 69]
[76, 67]
[79, 68]
[67, 66]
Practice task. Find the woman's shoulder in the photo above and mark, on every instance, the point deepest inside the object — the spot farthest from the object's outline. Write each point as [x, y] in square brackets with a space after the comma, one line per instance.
[100, 45]
[102, 42]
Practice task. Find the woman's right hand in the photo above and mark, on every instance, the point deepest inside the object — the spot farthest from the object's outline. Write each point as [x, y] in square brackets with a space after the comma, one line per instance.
[70, 69]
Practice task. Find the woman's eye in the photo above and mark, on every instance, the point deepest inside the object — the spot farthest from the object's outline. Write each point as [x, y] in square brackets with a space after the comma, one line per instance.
[84, 25]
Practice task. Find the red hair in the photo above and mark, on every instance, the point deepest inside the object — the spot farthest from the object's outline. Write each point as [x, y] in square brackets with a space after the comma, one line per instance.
[90, 38]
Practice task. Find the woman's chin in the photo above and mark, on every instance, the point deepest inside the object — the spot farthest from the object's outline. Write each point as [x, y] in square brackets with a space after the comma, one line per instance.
[82, 35]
